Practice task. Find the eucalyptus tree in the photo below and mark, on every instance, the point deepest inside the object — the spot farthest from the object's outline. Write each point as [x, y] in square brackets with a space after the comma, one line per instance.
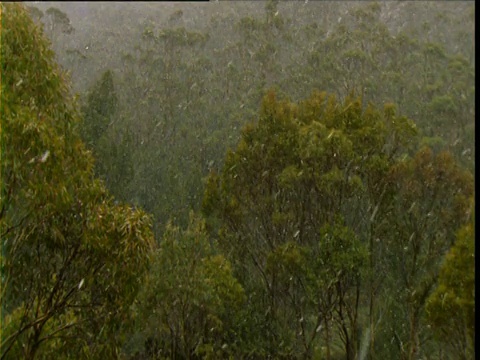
[190, 305]
[71, 260]
[451, 307]
[432, 202]
[284, 208]
[301, 208]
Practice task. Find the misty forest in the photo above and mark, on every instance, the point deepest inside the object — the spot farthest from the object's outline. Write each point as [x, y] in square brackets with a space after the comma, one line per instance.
[238, 180]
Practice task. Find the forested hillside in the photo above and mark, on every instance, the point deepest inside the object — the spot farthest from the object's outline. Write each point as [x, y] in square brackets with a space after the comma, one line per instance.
[187, 78]
[305, 171]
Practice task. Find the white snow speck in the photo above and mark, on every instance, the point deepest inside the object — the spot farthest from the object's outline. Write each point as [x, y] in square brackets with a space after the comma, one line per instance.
[45, 156]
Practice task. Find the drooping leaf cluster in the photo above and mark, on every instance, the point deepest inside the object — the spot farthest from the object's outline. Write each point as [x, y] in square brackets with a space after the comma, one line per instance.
[71, 260]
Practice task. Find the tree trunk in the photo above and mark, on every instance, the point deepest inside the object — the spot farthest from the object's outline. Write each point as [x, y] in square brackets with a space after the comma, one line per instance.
[327, 336]
[413, 339]
[33, 343]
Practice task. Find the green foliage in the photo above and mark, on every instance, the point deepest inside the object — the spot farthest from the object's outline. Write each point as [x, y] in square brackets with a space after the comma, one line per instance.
[169, 83]
[35, 13]
[431, 200]
[451, 307]
[99, 110]
[72, 261]
[287, 207]
[307, 177]
[191, 301]
[301, 206]
[57, 19]
[110, 142]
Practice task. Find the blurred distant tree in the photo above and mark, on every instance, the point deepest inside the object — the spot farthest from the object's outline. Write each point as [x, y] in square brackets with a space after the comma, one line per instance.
[35, 13]
[57, 22]
[111, 143]
[162, 80]
[99, 110]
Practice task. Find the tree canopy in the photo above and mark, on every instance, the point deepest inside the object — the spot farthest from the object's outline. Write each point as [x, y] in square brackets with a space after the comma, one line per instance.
[319, 198]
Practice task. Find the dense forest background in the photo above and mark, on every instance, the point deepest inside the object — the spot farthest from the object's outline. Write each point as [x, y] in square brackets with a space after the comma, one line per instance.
[185, 79]
[308, 167]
